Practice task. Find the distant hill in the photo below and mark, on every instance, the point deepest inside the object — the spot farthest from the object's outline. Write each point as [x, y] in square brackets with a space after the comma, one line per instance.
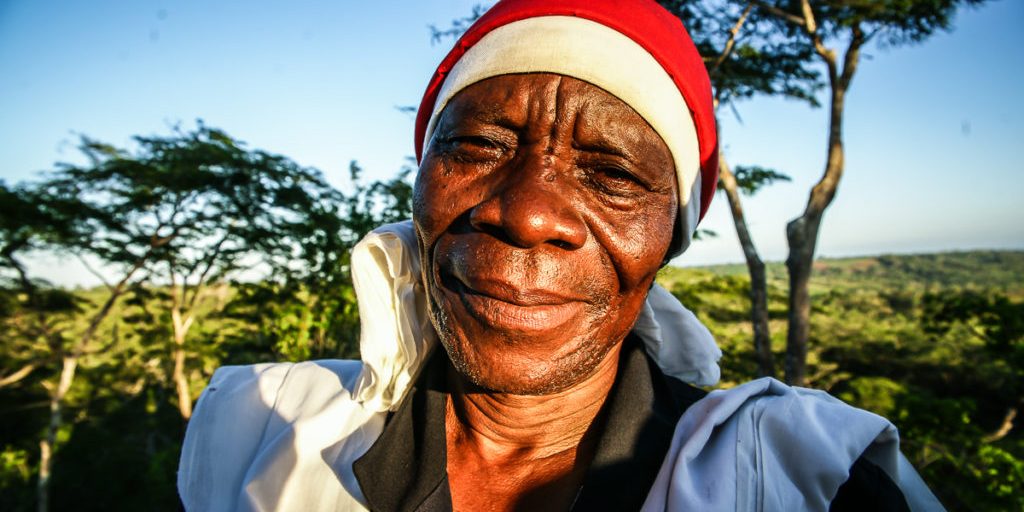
[997, 270]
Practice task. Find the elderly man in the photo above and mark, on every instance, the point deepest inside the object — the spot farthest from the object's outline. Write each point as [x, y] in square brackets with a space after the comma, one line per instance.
[567, 151]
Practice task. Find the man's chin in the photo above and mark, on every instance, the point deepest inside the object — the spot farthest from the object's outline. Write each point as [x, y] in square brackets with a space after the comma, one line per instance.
[508, 374]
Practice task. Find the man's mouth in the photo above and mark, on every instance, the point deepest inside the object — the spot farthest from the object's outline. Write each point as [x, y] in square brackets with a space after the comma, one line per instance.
[505, 306]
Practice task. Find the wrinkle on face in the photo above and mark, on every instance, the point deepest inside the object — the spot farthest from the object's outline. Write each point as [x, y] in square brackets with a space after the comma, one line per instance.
[543, 186]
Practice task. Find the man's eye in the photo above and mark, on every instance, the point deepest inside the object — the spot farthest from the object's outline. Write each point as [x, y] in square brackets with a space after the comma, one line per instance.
[474, 148]
[615, 181]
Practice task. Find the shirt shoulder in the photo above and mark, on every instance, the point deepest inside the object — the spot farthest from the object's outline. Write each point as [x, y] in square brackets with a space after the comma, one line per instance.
[240, 413]
[224, 433]
[763, 445]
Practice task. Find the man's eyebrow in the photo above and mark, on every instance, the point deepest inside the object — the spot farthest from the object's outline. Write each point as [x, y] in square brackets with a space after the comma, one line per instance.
[603, 146]
[489, 114]
[496, 116]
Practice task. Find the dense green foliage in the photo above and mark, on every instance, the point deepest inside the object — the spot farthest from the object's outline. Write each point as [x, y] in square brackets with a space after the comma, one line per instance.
[933, 342]
[244, 251]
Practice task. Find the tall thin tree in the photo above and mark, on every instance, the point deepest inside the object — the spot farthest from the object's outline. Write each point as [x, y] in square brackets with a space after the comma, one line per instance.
[837, 32]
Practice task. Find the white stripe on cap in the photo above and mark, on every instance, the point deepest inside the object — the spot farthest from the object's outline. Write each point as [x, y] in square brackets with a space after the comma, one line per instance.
[597, 54]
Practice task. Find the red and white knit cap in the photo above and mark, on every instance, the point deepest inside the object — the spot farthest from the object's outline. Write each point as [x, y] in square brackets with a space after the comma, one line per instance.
[634, 50]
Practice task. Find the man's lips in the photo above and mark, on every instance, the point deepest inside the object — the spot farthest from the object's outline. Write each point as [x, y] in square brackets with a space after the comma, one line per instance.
[507, 307]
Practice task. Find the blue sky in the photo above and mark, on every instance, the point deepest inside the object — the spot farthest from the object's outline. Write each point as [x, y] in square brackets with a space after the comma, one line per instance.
[933, 135]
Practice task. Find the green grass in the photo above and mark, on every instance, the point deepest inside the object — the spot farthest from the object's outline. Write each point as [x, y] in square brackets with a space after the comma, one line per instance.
[997, 270]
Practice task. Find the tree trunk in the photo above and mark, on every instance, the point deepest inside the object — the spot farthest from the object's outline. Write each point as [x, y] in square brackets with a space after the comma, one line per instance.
[756, 269]
[181, 383]
[48, 443]
[802, 232]
[801, 257]
[181, 327]
[802, 236]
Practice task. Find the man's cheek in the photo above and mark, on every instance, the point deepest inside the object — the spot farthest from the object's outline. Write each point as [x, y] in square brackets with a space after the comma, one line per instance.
[427, 218]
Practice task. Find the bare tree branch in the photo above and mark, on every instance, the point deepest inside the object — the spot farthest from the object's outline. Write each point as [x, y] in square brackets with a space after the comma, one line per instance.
[17, 376]
[198, 288]
[99, 316]
[779, 13]
[852, 57]
[811, 29]
[94, 272]
[731, 42]
[810, 24]
[1004, 428]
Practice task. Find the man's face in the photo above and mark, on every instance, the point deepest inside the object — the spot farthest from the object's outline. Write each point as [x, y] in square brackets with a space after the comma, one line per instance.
[544, 207]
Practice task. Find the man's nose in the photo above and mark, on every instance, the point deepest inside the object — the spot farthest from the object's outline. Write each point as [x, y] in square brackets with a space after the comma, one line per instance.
[533, 206]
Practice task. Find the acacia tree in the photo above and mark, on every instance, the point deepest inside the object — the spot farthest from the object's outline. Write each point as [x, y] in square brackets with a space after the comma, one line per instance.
[179, 212]
[189, 210]
[744, 59]
[836, 31]
[164, 226]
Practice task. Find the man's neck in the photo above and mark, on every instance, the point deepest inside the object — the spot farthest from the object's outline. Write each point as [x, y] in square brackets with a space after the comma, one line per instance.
[502, 447]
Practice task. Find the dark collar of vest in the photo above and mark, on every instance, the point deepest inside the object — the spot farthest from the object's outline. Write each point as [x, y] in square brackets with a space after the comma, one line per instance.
[405, 470]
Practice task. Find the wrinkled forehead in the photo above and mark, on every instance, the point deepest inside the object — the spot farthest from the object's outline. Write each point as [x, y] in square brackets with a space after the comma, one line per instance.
[540, 102]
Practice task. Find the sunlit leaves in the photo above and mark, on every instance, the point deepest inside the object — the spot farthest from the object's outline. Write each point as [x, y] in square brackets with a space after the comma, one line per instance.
[751, 178]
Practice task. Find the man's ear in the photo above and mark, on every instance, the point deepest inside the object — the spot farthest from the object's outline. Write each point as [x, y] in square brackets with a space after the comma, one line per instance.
[675, 247]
